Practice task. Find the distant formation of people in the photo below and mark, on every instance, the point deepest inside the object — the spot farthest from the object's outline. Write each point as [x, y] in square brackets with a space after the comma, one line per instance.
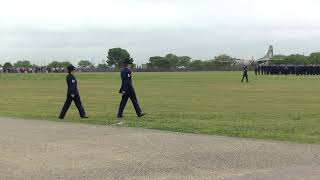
[42, 69]
[33, 70]
[287, 69]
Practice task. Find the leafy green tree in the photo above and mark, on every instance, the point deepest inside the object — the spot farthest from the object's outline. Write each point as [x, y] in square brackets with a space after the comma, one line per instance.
[279, 59]
[158, 61]
[184, 61]
[116, 56]
[103, 66]
[296, 59]
[64, 64]
[85, 63]
[223, 57]
[54, 64]
[314, 58]
[196, 64]
[172, 59]
[7, 65]
[223, 60]
[210, 63]
[57, 64]
[25, 64]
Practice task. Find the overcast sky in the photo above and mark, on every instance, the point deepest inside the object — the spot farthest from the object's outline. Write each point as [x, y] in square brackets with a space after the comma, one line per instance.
[43, 30]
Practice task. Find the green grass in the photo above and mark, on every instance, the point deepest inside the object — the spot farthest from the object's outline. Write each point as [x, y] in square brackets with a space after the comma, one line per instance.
[269, 107]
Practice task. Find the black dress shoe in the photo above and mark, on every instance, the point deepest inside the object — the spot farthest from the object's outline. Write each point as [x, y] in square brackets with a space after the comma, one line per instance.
[141, 114]
[119, 116]
[61, 118]
[84, 117]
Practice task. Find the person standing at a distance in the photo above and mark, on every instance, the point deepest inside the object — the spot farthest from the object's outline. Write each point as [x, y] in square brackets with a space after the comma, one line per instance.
[245, 73]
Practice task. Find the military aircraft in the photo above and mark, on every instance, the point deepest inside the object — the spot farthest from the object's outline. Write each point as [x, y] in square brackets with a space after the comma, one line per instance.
[264, 60]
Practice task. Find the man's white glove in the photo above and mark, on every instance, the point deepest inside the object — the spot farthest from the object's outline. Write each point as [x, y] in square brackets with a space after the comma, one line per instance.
[72, 95]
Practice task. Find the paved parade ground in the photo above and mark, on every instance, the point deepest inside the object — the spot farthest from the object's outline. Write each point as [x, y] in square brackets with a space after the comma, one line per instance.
[51, 150]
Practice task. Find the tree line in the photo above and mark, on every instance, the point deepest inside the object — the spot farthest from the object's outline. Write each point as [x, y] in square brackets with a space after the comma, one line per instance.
[297, 59]
[115, 56]
[53, 64]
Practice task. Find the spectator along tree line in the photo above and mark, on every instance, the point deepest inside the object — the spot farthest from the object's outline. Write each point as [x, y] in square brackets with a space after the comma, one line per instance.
[170, 61]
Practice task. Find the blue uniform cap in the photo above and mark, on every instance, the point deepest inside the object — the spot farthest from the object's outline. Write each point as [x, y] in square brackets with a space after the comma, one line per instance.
[71, 67]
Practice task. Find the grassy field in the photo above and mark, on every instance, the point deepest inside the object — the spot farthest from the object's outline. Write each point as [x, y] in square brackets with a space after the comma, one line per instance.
[269, 107]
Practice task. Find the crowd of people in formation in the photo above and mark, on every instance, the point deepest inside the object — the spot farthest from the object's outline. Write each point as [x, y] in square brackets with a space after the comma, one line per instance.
[40, 70]
[287, 69]
[32, 70]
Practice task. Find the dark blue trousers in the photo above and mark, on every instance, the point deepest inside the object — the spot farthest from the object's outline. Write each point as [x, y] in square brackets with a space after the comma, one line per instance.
[67, 104]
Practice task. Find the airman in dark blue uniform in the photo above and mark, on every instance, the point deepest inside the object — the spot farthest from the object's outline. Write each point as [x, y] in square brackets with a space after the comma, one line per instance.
[245, 73]
[256, 69]
[127, 90]
[72, 94]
